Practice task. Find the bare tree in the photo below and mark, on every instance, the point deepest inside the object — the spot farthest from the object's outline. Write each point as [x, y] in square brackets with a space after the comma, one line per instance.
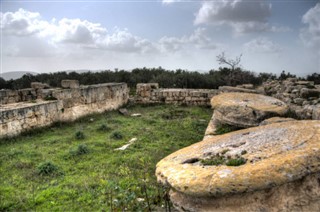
[221, 58]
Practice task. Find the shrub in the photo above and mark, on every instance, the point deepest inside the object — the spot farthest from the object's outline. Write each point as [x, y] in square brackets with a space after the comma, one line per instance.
[103, 128]
[80, 135]
[215, 161]
[236, 162]
[223, 160]
[81, 149]
[47, 168]
[116, 135]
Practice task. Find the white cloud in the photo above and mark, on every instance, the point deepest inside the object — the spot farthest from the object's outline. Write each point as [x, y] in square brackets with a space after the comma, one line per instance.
[244, 16]
[169, 1]
[197, 39]
[311, 35]
[21, 23]
[122, 40]
[43, 35]
[262, 45]
[78, 31]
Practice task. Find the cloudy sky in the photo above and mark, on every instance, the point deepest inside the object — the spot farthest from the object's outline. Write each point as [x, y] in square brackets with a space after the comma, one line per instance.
[272, 35]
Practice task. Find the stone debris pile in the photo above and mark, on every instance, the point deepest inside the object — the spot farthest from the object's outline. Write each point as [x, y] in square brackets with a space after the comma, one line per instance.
[303, 97]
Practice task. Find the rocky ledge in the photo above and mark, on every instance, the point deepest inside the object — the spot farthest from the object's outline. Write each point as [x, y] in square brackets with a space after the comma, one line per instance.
[271, 167]
[245, 109]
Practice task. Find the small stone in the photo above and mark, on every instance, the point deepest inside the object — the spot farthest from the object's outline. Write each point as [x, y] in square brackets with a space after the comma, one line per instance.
[136, 114]
[298, 101]
[123, 111]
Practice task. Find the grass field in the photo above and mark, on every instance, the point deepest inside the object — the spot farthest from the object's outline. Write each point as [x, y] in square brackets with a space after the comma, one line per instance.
[75, 167]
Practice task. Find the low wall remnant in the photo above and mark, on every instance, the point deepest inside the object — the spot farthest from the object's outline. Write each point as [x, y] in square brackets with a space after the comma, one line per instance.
[148, 93]
[57, 105]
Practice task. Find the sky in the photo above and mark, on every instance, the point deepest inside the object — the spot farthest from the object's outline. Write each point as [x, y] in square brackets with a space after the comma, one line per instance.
[49, 36]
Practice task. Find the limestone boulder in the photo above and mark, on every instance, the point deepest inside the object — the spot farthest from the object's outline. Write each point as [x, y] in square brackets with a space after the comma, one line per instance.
[39, 85]
[245, 109]
[279, 170]
[69, 83]
[144, 89]
[316, 112]
[307, 93]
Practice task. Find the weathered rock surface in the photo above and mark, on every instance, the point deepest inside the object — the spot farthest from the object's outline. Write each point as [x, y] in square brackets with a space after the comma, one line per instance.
[301, 96]
[149, 93]
[39, 85]
[244, 109]
[236, 89]
[276, 120]
[300, 195]
[211, 128]
[70, 83]
[246, 86]
[281, 170]
[69, 105]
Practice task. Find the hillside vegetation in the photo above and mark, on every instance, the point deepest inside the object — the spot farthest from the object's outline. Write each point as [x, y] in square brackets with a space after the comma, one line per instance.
[166, 78]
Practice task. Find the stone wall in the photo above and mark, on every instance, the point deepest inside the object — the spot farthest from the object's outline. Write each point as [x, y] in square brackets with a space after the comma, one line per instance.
[303, 97]
[28, 94]
[151, 93]
[64, 105]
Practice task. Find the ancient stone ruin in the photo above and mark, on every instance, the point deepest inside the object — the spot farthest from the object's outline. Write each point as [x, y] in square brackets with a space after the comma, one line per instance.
[243, 110]
[275, 167]
[303, 97]
[150, 93]
[272, 165]
[41, 106]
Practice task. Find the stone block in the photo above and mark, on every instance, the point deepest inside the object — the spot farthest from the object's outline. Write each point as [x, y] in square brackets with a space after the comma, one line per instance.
[70, 84]
[39, 85]
[306, 93]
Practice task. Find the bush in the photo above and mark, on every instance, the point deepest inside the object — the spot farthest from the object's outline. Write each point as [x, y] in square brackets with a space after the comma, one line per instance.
[81, 149]
[223, 160]
[47, 168]
[80, 135]
[213, 161]
[103, 128]
[116, 135]
[236, 162]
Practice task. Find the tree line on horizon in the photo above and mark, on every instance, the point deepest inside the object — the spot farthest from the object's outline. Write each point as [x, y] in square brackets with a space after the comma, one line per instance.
[166, 78]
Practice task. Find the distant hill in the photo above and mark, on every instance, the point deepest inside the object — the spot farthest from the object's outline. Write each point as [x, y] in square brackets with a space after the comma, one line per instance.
[15, 74]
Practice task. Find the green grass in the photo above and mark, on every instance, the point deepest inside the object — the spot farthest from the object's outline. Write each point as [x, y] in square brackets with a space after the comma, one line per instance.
[51, 170]
[224, 128]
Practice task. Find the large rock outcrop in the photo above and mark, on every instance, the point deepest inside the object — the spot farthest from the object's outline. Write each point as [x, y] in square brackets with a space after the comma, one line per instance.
[267, 168]
[245, 109]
